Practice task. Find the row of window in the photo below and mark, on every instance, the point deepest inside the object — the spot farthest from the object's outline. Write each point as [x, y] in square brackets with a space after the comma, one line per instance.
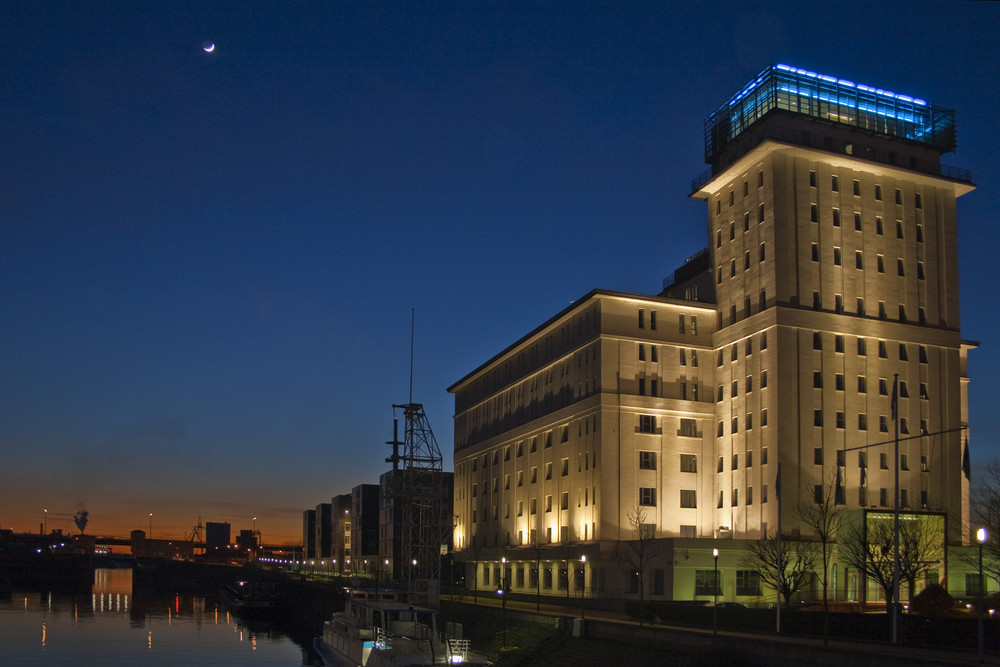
[859, 261]
[735, 460]
[838, 307]
[918, 200]
[682, 322]
[840, 421]
[652, 353]
[879, 224]
[883, 460]
[647, 497]
[838, 346]
[688, 462]
[746, 192]
[688, 427]
[747, 425]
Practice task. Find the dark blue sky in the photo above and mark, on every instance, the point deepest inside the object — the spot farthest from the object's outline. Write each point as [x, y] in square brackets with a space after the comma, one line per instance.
[208, 260]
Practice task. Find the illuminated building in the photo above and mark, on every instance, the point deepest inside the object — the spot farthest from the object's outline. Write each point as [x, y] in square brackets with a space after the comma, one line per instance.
[831, 271]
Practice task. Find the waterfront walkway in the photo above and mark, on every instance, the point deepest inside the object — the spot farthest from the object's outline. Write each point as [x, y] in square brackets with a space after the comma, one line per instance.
[614, 638]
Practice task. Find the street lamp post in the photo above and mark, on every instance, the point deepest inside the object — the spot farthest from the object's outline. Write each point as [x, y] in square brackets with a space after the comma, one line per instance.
[981, 538]
[583, 587]
[150, 525]
[501, 591]
[45, 522]
[715, 590]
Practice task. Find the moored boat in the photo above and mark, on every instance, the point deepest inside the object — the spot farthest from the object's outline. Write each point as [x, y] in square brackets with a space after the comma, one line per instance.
[376, 630]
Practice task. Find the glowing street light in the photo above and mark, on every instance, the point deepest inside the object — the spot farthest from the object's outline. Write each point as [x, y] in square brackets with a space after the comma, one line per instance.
[981, 538]
[715, 584]
[583, 587]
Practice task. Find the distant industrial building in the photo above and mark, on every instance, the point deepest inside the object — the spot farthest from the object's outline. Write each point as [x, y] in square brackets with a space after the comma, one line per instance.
[218, 535]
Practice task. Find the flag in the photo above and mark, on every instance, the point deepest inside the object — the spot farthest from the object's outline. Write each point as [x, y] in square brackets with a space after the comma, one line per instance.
[966, 464]
[895, 396]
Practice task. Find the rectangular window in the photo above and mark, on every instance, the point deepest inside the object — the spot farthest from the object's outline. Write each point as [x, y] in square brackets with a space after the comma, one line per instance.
[836, 217]
[689, 428]
[818, 456]
[763, 379]
[835, 183]
[689, 463]
[859, 261]
[647, 496]
[749, 500]
[707, 582]
[680, 323]
[647, 460]
[813, 213]
[836, 256]
[878, 225]
[857, 188]
[642, 318]
[652, 320]
[694, 325]
[642, 352]
[565, 501]
[857, 222]
[862, 384]
[862, 421]
[647, 424]
[747, 582]
[689, 498]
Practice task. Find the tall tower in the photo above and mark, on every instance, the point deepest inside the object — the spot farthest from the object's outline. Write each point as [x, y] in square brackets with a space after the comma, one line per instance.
[832, 233]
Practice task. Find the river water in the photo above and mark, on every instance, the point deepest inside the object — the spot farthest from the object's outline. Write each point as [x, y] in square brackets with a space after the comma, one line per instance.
[110, 625]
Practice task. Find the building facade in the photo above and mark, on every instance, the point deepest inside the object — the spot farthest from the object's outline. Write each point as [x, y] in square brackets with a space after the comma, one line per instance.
[821, 321]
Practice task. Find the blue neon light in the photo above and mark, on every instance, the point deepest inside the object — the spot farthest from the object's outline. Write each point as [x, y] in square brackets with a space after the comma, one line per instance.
[842, 101]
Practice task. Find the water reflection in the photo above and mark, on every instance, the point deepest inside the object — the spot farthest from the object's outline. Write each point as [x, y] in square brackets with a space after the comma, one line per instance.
[112, 625]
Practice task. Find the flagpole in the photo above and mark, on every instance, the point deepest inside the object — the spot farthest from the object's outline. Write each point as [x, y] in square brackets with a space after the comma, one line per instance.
[895, 513]
[777, 495]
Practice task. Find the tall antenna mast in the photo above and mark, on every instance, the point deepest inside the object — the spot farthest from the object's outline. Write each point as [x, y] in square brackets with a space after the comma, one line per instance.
[413, 316]
[418, 500]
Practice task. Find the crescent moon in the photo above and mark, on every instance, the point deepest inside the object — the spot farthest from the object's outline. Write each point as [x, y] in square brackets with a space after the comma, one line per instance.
[209, 47]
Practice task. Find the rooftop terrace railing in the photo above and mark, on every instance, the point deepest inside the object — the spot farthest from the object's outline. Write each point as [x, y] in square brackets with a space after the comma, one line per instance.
[755, 137]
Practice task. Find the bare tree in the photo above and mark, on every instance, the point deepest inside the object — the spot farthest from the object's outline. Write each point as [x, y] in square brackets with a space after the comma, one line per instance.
[824, 518]
[868, 547]
[641, 551]
[786, 566]
[985, 510]
[536, 551]
[569, 547]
